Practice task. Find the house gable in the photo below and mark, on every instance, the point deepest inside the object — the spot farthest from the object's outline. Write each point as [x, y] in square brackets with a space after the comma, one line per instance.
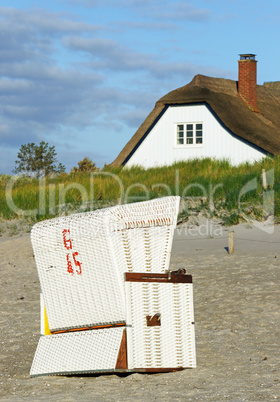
[159, 146]
[259, 130]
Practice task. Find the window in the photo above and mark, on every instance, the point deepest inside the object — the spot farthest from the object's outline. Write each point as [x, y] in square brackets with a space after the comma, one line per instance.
[198, 133]
[180, 134]
[189, 134]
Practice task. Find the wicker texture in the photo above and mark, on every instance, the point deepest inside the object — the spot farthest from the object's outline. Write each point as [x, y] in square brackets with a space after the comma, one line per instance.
[74, 300]
[135, 237]
[81, 260]
[78, 352]
[172, 344]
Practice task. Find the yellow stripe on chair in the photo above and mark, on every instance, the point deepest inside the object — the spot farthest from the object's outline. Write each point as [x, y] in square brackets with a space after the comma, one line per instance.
[47, 328]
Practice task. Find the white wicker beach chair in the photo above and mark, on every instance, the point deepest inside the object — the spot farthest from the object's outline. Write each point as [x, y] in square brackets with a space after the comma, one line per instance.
[108, 300]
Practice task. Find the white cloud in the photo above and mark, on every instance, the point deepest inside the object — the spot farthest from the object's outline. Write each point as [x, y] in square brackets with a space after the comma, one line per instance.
[110, 55]
[182, 10]
[65, 78]
[36, 95]
[154, 9]
[43, 22]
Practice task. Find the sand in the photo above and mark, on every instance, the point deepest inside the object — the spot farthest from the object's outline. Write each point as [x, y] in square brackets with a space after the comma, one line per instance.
[237, 315]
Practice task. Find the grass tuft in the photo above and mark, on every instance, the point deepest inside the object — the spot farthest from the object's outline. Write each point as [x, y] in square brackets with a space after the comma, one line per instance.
[205, 185]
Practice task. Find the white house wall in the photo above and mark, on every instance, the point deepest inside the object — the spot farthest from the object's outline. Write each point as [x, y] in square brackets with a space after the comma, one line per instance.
[159, 147]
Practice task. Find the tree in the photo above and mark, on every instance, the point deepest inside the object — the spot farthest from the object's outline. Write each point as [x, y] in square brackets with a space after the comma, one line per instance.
[37, 160]
[85, 165]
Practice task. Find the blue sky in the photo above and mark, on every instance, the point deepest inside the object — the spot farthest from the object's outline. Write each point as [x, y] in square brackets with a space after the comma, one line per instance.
[83, 75]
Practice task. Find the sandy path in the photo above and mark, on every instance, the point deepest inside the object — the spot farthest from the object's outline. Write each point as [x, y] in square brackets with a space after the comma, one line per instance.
[237, 314]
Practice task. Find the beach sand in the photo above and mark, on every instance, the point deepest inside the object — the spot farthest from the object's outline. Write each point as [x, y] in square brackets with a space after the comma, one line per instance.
[237, 316]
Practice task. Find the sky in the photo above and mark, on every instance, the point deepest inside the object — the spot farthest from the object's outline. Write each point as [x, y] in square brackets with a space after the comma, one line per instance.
[82, 75]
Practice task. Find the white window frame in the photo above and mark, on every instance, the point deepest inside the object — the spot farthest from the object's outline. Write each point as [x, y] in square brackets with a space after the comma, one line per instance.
[185, 137]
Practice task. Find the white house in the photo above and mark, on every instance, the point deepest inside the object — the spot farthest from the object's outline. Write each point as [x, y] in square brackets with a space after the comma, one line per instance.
[210, 117]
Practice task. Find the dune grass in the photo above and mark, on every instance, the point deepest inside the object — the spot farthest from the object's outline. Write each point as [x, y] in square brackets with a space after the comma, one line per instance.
[215, 185]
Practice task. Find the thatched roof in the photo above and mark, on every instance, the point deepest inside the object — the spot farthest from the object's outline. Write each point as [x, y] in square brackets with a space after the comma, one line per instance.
[260, 129]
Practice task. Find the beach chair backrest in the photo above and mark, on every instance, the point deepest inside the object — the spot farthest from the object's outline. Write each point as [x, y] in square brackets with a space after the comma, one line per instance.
[81, 259]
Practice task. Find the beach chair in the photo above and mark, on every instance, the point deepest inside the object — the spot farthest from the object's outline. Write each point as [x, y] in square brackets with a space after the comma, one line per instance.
[109, 302]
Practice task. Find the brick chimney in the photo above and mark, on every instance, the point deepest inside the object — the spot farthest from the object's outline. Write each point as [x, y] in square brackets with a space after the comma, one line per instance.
[247, 80]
